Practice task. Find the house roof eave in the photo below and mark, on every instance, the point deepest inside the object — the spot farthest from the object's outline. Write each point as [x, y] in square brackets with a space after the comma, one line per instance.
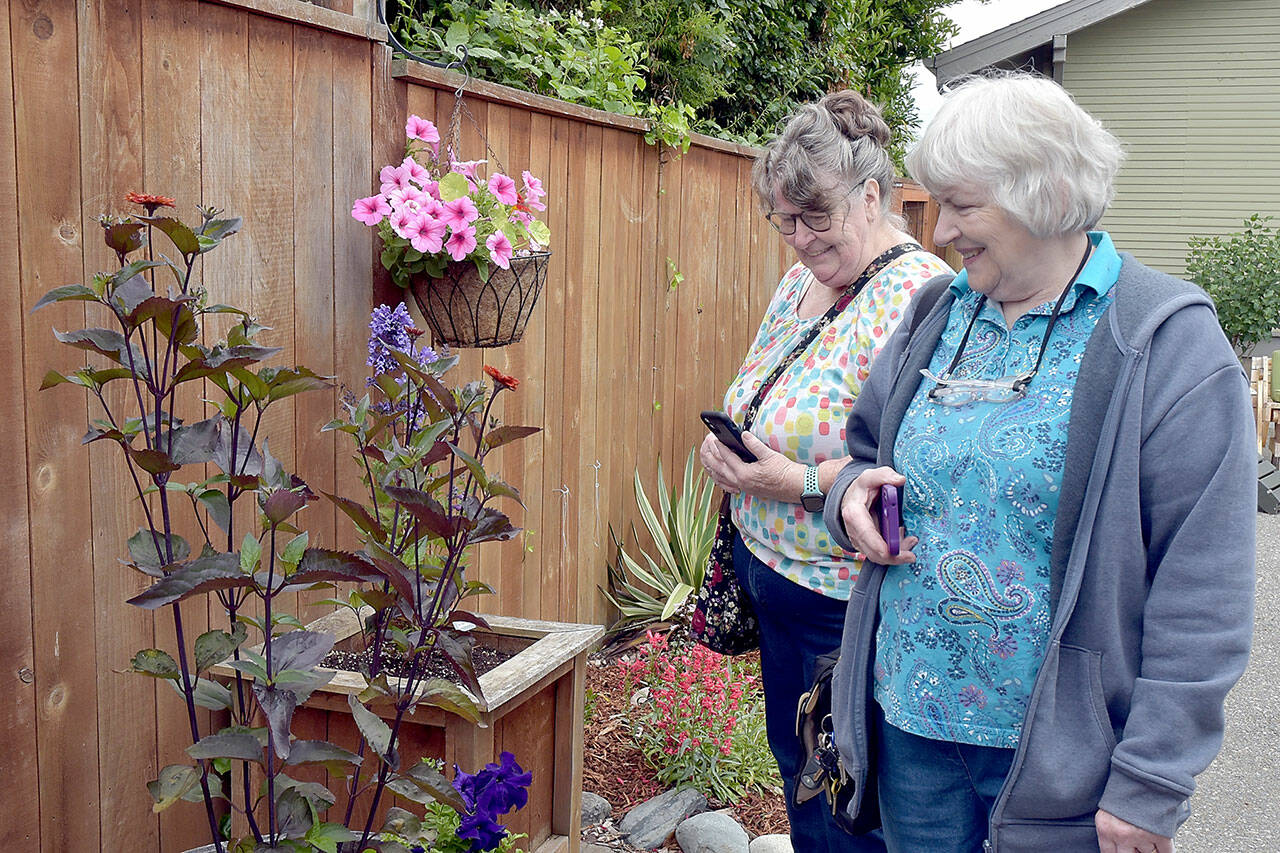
[1023, 36]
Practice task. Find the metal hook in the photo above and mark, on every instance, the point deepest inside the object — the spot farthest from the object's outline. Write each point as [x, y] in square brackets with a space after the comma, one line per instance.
[399, 47]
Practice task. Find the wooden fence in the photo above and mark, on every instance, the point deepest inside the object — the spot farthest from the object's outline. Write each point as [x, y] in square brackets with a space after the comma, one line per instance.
[282, 112]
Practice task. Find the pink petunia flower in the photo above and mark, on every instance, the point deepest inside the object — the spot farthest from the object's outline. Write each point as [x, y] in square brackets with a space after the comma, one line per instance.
[499, 249]
[393, 178]
[467, 168]
[401, 220]
[459, 213]
[503, 188]
[371, 210]
[420, 128]
[461, 243]
[417, 174]
[432, 188]
[430, 206]
[426, 234]
[533, 191]
[408, 195]
[523, 217]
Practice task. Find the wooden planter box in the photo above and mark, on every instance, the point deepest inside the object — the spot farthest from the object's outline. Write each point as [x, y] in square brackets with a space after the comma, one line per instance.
[532, 707]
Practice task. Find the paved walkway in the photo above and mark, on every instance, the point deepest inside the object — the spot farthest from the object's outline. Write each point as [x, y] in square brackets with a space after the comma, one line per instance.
[1236, 807]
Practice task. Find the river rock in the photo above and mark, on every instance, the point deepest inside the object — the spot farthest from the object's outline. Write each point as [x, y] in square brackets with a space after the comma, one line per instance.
[595, 809]
[771, 844]
[711, 832]
[652, 822]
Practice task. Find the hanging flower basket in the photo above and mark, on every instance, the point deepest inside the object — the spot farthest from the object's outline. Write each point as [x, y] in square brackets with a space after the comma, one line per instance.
[464, 310]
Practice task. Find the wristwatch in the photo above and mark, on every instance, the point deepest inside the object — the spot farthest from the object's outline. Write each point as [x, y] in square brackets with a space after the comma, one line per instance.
[812, 498]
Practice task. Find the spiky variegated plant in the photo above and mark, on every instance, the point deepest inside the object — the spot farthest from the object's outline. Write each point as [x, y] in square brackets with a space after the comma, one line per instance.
[682, 528]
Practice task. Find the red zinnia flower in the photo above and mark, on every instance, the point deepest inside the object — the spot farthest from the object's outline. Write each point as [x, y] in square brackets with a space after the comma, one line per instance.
[149, 201]
[501, 378]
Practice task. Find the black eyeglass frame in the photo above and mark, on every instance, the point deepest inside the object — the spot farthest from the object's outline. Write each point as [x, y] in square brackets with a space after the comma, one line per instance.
[780, 220]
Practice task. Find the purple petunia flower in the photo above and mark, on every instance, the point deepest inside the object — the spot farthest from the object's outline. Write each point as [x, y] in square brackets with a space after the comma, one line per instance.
[484, 833]
[495, 790]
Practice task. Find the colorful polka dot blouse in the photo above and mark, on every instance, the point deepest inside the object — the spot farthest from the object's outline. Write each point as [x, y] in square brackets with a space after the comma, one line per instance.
[803, 416]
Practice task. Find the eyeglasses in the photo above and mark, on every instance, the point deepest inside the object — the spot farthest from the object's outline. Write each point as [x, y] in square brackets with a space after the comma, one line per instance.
[961, 392]
[949, 391]
[814, 220]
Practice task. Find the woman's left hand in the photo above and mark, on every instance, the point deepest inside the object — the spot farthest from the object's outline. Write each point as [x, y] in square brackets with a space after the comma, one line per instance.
[771, 476]
[1120, 836]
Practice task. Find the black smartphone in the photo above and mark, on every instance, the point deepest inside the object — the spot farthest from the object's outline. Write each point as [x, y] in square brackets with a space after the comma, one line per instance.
[723, 428]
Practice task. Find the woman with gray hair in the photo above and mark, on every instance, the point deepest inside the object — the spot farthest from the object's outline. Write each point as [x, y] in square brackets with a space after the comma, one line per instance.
[1042, 664]
[824, 184]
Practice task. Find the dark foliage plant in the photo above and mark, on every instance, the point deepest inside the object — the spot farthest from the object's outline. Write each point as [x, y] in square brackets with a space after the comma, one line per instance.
[251, 551]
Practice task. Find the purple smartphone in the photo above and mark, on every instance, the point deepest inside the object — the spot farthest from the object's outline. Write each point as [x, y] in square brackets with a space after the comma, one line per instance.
[890, 518]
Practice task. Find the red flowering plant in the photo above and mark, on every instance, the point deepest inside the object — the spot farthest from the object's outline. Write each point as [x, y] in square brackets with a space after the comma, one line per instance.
[699, 718]
[432, 209]
[421, 447]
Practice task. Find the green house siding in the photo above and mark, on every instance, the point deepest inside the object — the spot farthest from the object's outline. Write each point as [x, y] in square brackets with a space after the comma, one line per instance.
[1192, 87]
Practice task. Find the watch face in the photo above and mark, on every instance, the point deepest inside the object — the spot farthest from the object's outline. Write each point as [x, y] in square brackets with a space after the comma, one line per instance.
[812, 503]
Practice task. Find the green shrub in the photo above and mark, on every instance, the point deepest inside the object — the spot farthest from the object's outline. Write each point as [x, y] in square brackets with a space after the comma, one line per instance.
[567, 56]
[688, 49]
[1241, 272]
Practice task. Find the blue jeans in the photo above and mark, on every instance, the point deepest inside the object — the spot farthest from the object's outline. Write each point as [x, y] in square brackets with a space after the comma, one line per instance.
[796, 626]
[936, 795]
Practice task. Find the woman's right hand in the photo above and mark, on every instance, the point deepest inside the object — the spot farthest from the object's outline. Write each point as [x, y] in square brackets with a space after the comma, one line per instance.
[862, 527]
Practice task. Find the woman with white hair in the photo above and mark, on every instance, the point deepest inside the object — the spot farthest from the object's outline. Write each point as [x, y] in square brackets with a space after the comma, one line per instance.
[1042, 665]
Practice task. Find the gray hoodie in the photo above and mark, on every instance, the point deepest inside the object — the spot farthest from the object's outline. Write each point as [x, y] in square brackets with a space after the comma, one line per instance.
[1152, 570]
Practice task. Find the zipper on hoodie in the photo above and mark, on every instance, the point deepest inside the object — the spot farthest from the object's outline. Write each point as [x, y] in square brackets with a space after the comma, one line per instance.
[1111, 419]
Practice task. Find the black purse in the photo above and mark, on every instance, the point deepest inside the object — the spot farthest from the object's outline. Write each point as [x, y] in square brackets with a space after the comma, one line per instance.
[723, 618]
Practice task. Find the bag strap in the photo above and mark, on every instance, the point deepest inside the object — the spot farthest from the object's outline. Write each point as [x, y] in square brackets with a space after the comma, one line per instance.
[850, 293]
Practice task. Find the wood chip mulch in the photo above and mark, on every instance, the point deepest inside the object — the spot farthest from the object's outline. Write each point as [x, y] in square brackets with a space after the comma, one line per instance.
[615, 768]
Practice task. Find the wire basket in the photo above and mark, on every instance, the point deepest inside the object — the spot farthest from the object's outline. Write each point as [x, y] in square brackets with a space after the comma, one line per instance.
[464, 310]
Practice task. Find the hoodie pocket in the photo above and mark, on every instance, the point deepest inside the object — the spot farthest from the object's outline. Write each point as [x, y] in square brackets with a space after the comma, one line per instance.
[1068, 743]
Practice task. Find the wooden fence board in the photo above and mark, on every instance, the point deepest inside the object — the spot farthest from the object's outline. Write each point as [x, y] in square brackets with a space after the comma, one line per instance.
[619, 369]
[509, 138]
[352, 298]
[531, 361]
[314, 131]
[552, 548]
[270, 214]
[494, 147]
[581, 386]
[21, 828]
[671, 354]
[112, 151]
[46, 127]
[390, 110]
[696, 381]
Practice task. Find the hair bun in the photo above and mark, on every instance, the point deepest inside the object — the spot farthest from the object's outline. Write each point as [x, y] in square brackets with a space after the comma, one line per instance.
[856, 117]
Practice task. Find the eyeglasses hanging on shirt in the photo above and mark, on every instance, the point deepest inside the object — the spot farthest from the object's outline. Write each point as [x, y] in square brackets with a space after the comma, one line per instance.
[949, 391]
